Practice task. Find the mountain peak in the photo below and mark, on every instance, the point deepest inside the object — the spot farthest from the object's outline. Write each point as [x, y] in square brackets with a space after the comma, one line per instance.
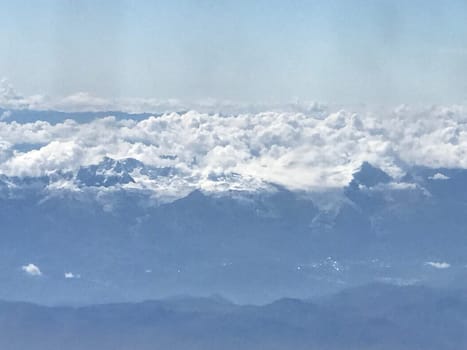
[108, 172]
[369, 176]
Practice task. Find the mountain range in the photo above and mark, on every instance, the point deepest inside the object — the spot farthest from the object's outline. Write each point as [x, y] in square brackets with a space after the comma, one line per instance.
[372, 317]
[97, 236]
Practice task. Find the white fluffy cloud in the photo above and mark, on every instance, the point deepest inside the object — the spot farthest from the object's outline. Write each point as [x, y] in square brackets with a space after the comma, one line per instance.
[439, 176]
[31, 270]
[304, 147]
[304, 151]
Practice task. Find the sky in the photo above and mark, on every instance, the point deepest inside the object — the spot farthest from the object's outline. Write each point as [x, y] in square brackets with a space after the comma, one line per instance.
[350, 52]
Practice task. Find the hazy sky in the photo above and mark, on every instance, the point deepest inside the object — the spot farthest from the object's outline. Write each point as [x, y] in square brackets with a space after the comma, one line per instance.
[247, 51]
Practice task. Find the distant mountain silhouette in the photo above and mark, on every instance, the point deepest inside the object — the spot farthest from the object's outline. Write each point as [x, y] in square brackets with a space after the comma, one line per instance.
[365, 318]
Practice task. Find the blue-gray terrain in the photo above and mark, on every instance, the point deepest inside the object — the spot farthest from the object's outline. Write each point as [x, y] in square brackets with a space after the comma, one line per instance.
[375, 317]
[250, 247]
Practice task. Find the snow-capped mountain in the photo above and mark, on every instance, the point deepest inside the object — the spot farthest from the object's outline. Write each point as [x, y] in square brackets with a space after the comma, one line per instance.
[251, 206]
[124, 243]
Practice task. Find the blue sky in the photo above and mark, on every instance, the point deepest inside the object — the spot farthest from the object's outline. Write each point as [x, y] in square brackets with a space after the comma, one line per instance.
[248, 51]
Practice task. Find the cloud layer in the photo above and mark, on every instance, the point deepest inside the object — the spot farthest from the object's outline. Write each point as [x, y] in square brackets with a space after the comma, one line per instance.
[86, 102]
[304, 151]
[300, 146]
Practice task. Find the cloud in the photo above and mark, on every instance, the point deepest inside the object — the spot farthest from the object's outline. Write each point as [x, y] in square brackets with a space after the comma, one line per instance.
[53, 156]
[438, 265]
[10, 98]
[7, 92]
[439, 176]
[311, 149]
[86, 102]
[83, 101]
[32, 270]
[291, 149]
[71, 275]
[296, 150]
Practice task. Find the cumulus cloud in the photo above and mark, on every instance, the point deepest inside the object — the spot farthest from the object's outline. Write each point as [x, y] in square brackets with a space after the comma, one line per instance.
[312, 148]
[213, 152]
[55, 155]
[439, 176]
[438, 264]
[31, 270]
